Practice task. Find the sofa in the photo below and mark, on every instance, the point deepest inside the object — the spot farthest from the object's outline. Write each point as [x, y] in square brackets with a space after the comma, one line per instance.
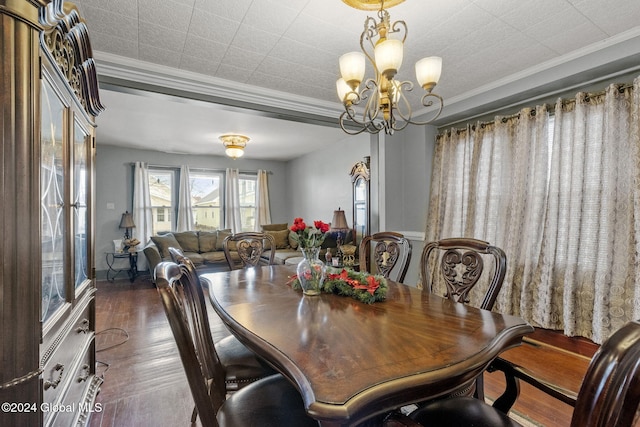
[287, 251]
[203, 248]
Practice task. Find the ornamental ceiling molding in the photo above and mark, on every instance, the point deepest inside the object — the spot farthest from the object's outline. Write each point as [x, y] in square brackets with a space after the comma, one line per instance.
[143, 74]
[619, 54]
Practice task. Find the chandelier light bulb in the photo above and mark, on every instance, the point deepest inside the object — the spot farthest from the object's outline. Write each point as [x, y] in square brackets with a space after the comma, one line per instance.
[345, 92]
[234, 152]
[352, 68]
[428, 72]
[388, 56]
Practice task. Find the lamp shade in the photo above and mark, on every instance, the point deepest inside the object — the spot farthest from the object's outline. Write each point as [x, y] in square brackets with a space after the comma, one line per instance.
[339, 221]
[388, 54]
[428, 71]
[345, 92]
[234, 151]
[352, 67]
[127, 220]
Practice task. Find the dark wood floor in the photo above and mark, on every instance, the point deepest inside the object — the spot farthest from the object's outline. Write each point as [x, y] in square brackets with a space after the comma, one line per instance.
[145, 385]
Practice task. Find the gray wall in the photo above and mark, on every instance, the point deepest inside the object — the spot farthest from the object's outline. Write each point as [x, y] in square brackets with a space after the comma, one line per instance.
[311, 186]
[319, 182]
[402, 175]
[114, 185]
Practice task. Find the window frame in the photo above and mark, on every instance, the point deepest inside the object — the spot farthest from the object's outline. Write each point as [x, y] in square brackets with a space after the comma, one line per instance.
[170, 210]
[213, 174]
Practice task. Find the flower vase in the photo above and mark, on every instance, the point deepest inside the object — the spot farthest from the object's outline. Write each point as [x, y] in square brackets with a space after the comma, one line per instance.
[311, 271]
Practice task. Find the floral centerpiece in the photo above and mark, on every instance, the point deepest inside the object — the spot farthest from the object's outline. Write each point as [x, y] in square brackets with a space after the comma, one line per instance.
[309, 237]
[311, 270]
[365, 287]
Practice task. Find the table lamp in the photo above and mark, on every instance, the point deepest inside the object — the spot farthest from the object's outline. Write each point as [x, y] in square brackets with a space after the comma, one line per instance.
[341, 228]
[127, 223]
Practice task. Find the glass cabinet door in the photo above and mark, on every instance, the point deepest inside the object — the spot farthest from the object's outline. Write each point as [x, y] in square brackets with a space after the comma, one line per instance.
[52, 191]
[360, 211]
[79, 209]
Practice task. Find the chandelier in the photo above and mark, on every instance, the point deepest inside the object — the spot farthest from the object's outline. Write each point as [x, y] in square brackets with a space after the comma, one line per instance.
[383, 100]
[234, 144]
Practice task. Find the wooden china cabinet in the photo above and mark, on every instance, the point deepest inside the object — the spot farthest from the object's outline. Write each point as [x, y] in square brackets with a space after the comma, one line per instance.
[47, 289]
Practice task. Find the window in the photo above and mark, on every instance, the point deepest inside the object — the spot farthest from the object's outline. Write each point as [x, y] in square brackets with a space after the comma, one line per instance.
[206, 199]
[247, 188]
[161, 189]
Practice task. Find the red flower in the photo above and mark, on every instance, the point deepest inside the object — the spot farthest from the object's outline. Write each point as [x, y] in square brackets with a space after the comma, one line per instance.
[298, 225]
[322, 226]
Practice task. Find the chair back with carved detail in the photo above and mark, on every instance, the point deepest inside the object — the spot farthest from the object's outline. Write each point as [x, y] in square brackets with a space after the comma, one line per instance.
[460, 262]
[250, 247]
[609, 394]
[184, 305]
[388, 252]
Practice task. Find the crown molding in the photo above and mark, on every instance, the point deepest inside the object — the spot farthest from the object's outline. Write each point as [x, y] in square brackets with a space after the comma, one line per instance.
[602, 61]
[143, 75]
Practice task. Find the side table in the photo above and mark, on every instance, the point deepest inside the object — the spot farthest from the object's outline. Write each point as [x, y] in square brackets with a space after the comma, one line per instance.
[114, 270]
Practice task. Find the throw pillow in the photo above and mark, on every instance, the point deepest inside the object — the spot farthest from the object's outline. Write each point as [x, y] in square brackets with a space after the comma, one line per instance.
[207, 241]
[164, 242]
[275, 227]
[281, 238]
[188, 240]
[292, 242]
[222, 234]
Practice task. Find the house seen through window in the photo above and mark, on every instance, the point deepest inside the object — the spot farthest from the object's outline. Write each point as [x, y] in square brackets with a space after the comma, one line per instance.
[161, 189]
[207, 199]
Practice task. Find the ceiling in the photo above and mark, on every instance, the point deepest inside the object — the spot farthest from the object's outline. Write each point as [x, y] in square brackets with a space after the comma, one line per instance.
[175, 74]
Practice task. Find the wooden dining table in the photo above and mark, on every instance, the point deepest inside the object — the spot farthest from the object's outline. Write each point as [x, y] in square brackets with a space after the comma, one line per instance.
[352, 361]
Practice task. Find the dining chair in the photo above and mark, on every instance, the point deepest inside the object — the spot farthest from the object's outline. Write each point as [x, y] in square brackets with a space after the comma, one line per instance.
[249, 246]
[389, 252]
[241, 365]
[609, 394]
[460, 263]
[271, 401]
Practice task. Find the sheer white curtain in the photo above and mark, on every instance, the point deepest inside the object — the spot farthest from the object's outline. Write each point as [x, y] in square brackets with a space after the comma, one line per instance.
[565, 207]
[232, 201]
[185, 213]
[142, 216]
[263, 213]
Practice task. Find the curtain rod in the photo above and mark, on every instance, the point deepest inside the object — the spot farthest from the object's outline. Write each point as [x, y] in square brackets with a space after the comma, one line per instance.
[203, 169]
[550, 107]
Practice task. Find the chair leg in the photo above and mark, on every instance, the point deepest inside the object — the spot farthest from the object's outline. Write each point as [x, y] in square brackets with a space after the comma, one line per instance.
[479, 393]
[194, 415]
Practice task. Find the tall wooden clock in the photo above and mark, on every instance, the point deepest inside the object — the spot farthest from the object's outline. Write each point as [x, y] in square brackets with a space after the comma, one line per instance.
[360, 178]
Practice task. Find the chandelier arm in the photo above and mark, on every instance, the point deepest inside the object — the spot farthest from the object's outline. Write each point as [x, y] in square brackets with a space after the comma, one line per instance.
[395, 28]
[368, 126]
[370, 31]
[429, 104]
[348, 131]
[372, 107]
[402, 100]
[352, 116]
